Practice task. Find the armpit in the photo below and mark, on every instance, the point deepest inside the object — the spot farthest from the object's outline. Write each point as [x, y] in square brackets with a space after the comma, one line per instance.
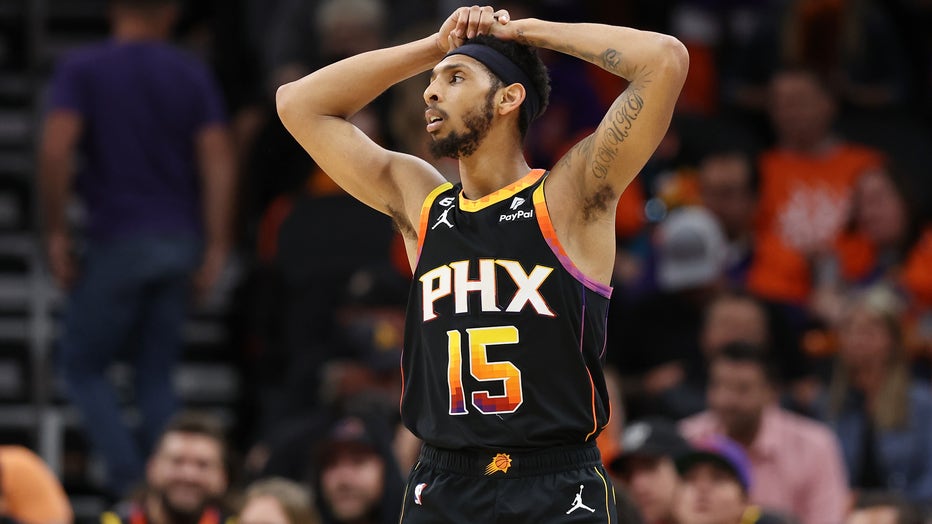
[402, 224]
[601, 200]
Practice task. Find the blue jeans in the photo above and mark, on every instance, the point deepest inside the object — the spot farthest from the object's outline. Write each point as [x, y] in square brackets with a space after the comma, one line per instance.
[130, 302]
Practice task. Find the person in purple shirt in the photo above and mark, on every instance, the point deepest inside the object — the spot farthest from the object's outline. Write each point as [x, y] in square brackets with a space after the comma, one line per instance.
[136, 128]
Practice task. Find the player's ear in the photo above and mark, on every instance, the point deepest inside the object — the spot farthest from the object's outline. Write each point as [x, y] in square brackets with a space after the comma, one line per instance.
[510, 98]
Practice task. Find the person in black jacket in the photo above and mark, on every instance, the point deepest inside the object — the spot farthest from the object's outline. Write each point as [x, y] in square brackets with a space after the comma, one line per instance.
[356, 475]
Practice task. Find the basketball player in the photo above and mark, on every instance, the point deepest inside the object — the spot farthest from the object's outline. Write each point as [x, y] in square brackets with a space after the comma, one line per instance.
[506, 319]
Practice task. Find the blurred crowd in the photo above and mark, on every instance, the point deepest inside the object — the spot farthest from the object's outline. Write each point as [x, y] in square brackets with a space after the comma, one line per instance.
[770, 343]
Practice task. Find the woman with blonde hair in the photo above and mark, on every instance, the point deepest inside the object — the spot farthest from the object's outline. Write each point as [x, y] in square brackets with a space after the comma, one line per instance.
[278, 501]
[882, 416]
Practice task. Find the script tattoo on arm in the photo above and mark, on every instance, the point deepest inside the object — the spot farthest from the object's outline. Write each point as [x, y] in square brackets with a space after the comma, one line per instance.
[623, 114]
[610, 59]
[583, 149]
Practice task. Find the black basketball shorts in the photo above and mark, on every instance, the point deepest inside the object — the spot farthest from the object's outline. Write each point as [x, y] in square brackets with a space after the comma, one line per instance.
[557, 485]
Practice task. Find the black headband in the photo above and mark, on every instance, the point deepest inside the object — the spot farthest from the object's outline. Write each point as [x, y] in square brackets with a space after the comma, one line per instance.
[506, 70]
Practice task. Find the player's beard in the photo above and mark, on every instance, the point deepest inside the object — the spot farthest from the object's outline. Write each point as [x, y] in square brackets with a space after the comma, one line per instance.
[460, 145]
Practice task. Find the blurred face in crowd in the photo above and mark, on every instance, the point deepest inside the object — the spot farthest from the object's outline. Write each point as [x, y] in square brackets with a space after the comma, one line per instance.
[709, 494]
[801, 110]
[866, 341]
[881, 211]
[738, 393]
[725, 188]
[263, 509]
[352, 483]
[733, 319]
[652, 482]
[187, 474]
[348, 27]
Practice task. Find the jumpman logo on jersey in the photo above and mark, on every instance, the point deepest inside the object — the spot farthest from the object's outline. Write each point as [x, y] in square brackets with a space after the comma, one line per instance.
[578, 503]
[442, 219]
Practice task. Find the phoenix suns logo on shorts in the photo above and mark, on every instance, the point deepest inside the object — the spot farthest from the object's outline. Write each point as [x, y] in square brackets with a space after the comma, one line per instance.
[501, 462]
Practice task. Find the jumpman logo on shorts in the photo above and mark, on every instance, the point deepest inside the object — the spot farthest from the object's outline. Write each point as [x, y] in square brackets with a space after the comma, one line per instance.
[442, 219]
[578, 503]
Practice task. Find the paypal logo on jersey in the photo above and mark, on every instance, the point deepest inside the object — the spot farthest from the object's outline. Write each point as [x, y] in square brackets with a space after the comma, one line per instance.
[516, 202]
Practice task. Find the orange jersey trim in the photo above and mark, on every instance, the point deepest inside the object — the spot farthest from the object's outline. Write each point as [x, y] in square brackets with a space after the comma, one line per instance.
[550, 236]
[497, 196]
[425, 214]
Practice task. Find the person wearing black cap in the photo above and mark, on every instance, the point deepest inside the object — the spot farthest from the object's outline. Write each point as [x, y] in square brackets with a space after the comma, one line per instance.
[646, 469]
[716, 478]
[355, 474]
[506, 321]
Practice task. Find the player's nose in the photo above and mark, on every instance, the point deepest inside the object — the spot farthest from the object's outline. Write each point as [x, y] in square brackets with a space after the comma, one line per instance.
[432, 93]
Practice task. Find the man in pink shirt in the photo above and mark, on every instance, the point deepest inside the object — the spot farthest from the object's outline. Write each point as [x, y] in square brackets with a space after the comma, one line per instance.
[797, 462]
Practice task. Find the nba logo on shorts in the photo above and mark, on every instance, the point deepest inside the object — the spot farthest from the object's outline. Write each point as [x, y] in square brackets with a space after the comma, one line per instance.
[417, 492]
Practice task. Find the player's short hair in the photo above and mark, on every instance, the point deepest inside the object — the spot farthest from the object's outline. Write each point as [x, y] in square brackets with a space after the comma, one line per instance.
[526, 58]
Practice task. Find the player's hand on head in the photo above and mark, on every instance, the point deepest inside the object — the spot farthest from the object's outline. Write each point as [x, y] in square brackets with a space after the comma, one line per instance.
[504, 27]
[467, 22]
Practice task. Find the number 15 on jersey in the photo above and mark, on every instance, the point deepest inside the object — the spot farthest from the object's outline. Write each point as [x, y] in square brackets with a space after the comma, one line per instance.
[478, 341]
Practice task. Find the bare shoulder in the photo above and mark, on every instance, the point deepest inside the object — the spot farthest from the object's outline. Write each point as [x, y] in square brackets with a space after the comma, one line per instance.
[413, 179]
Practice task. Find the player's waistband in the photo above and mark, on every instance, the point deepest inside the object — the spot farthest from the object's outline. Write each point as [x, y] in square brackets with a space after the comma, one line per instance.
[502, 463]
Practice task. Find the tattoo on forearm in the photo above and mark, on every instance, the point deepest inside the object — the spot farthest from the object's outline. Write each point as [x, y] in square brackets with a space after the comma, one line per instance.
[616, 131]
[519, 36]
[611, 60]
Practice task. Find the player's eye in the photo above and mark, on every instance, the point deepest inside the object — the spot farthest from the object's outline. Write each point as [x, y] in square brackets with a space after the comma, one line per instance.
[456, 78]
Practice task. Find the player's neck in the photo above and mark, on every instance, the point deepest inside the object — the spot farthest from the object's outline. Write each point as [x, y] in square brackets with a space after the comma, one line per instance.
[492, 167]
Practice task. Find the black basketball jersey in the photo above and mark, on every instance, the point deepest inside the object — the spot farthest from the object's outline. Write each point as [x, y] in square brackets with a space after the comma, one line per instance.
[504, 336]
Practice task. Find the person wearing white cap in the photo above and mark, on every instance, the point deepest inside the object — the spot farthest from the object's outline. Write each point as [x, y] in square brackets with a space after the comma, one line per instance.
[691, 250]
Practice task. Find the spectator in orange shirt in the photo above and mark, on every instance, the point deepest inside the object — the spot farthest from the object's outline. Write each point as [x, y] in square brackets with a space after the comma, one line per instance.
[885, 214]
[806, 185]
[29, 491]
[886, 240]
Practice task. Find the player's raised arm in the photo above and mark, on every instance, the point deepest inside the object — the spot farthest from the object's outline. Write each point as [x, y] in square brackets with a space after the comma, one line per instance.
[315, 110]
[654, 64]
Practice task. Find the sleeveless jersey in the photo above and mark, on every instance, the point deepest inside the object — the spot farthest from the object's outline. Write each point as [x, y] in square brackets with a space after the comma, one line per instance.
[504, 336]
